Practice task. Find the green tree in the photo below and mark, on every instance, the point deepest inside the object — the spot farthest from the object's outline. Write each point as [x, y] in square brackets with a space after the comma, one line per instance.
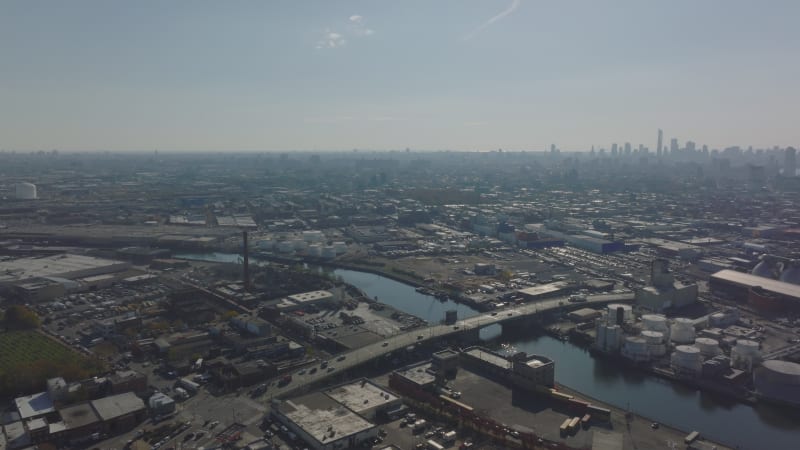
[19, 317]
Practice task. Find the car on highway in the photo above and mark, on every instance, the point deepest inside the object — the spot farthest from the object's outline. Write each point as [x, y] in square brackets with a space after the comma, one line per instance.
[341, 358]
[385, 344]
[312, 371]
[330, 369]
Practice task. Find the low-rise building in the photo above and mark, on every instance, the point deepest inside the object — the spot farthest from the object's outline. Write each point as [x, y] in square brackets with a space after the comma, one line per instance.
[323, 423]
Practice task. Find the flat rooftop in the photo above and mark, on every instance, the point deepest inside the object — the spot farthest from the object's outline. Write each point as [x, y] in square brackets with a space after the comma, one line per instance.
[323, 418]
[747, 280]
[34, 405]
[419, 374]
[544, 289]
[108, 408]
[78, 416]
[65, 266]
[491, 358]
[361, 395]
[310, 296]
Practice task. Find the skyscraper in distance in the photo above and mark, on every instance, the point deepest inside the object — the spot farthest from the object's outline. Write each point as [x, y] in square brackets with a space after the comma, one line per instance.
[790, 162]
[660, 141]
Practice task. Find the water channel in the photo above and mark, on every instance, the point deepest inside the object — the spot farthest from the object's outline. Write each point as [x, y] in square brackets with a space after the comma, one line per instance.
[748, 427]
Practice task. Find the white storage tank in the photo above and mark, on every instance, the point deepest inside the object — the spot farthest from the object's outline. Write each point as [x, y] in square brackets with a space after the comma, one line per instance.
[315, 250]
[25, 191]
[340, 247]
[657, 350]
[707, 346]
[686, 360]
[791, 272]
[627, 312]
[655, 322]
[299, 245]
[600, 333]
[653, 337]
[682, 331]
[613, 337]
[745, 354]
[313, 236]
[329, 252]
[635, 348]
[285, 246]
[778, 381]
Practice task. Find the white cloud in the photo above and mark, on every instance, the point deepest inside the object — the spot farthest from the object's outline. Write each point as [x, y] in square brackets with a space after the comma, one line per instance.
[353, 28]
[514, 5]
[358, 28]
[331, 39]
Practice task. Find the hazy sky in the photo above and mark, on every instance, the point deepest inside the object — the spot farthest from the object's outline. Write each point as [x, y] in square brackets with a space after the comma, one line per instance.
[373, 74]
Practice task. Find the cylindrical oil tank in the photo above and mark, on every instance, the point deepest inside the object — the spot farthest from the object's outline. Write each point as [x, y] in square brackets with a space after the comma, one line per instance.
[779, 372]
[682, 331]
[299, 244]
[612, 312]
[745, 353]
[766, 268]
[328, 251]
[285, 246]
[613, 337]
[600, 333]
[635, 348]
[313, 236]
[779, 381]
[315, 250]
[655, 322]
[791, 272]
[340, 247]
[657, 350]
[25, 191]
[708, 347]
[653, 337]
[686, 360]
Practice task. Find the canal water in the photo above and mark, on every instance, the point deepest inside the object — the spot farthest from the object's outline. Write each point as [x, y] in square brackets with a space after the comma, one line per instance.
[747, 427]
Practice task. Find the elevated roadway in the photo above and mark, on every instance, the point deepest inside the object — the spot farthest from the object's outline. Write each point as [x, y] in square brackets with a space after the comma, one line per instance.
[345, 361]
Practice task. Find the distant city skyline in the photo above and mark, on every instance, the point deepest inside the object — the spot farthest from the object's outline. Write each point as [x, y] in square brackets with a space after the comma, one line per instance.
[94, 75]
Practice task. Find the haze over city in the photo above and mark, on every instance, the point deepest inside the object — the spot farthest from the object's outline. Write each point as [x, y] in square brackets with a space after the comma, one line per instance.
[377, 75]
[397, 225]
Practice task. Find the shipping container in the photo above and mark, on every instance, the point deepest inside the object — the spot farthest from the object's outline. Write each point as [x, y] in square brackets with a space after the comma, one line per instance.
[691, 437]
[433, 445]
[565, 426]
[573, 424]
[585, 420]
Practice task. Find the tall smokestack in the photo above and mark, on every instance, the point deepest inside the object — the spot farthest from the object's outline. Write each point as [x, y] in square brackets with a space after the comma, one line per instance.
[246, 255]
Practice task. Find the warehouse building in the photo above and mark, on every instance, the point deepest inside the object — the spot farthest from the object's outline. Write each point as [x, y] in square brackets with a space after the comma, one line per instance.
[544, 291]
[523, 370]
[323, 423]
[763, 293]
[45, 278]
[365, 398]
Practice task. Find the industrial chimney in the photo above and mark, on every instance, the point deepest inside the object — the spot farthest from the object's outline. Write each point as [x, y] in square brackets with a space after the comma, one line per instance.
[246, 255]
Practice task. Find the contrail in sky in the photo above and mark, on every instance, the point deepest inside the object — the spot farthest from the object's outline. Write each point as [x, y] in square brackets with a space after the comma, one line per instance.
[514, 4]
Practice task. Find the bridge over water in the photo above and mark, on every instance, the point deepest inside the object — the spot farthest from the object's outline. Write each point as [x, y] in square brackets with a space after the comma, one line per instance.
[466, 329]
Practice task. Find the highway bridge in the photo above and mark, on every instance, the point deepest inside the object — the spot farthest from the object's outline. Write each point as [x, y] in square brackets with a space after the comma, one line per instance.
[467, 328]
